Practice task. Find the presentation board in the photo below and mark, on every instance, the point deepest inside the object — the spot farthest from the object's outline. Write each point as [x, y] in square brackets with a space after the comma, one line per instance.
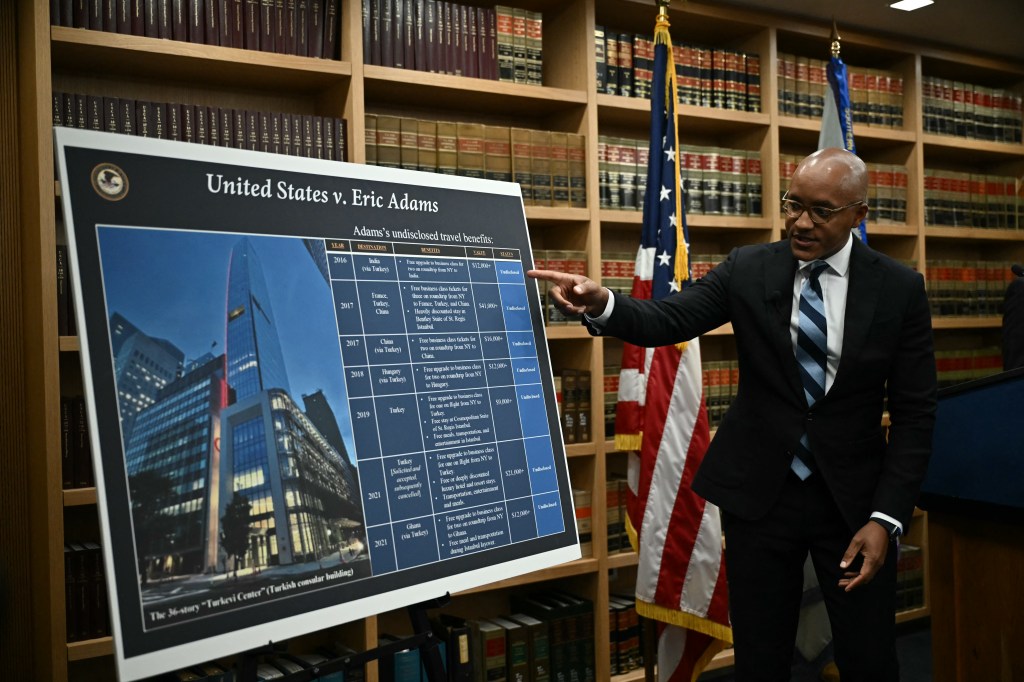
[316, 391]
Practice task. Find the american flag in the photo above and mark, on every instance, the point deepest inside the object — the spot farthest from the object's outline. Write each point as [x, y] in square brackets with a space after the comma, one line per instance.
[662, 420]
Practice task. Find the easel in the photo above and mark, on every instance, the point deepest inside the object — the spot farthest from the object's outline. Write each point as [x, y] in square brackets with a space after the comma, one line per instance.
[423, 638]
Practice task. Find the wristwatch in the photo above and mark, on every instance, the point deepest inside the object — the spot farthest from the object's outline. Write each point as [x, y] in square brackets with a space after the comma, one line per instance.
[891, 529]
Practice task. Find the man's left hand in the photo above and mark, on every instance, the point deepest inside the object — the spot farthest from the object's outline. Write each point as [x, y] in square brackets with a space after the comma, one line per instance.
[871, 542]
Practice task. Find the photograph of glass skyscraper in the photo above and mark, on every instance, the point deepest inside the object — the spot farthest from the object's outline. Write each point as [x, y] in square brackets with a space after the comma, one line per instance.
[233, 412]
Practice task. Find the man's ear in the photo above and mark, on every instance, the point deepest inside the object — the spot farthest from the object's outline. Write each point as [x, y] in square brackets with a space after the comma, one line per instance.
[862, 211]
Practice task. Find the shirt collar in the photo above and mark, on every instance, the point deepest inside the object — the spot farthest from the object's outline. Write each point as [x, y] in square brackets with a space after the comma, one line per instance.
[839, 261]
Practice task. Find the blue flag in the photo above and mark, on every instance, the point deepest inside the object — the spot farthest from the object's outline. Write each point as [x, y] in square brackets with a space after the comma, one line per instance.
[836, 120]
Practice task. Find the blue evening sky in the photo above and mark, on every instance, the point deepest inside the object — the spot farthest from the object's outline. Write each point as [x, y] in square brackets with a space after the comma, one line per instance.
[172, 284]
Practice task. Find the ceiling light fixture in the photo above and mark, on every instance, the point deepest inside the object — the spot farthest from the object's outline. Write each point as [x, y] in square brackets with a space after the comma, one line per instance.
[910, 5]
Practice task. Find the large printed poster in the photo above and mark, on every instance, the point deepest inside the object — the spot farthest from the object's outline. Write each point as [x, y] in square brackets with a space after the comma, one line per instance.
[317, 391]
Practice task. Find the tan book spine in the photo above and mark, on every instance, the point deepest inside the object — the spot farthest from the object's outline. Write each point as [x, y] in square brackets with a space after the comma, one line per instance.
[447, 148]
[409, 143]
[577, 149]
[559, 169]
[426, 146]
[470, 144]
[522, 171]
[497, 153]
[389, 140]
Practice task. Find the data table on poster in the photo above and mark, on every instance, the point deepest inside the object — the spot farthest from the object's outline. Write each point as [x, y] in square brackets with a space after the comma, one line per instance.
[449, 421]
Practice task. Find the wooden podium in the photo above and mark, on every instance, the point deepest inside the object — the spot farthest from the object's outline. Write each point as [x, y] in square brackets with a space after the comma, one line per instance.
[977, 598]
[974, 494]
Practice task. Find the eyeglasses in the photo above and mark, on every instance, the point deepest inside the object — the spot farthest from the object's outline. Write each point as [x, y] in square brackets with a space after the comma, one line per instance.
[819, 214]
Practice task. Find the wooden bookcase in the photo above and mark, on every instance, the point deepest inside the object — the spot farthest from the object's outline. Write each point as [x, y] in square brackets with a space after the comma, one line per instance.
[76, 60]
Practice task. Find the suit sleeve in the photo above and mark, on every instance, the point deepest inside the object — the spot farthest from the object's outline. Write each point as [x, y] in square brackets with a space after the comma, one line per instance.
[911, 391]
[676, 318]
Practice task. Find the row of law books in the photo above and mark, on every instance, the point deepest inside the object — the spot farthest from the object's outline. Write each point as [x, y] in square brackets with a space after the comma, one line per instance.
[616, 496]
[501, 43]
[85, 592]
[958, 199]
[909, 578]
[572, 393]
[876, 96]
[570, 261]
[706, 77]
[720, 381]
[887, 188]
[549, 635]
[717, 181]
[307, 28]
[75, 448]
[967, 364]
[582, 503]
[618, 268]
[972, 111]
[966, 287]
[550, 166]
[625, 635]
[310, 136]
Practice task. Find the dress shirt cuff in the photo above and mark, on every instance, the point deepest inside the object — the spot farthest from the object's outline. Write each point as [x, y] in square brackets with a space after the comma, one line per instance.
[601, 319]
[886, 517]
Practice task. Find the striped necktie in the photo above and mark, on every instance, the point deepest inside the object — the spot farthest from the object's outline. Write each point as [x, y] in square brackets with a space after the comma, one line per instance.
[811, 355]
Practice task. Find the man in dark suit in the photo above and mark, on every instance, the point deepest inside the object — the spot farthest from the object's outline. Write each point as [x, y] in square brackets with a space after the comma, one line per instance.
[826, 329]
[1013, 322]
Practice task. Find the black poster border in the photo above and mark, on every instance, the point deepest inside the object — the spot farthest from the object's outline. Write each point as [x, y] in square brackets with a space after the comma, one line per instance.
[167, 185]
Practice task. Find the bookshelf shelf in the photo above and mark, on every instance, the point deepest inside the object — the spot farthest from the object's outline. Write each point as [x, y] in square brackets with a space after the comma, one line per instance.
[966, 150]
[53, 58]
[549, 215]
[405, 88]
[912, 615]
[861, 132]
[891, 230]
[585, 566]
[569, 331]
[90, 648]
[983, 322]
[623, 559]
[972, 233]
[116, 55]
[77, 497]
[614, 218]
[635, 112]
[580, 449]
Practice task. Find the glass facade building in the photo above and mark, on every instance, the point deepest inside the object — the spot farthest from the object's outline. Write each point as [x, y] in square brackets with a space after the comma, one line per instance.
[255, 359]
[143, 366]
[302, 502]
[173, 464]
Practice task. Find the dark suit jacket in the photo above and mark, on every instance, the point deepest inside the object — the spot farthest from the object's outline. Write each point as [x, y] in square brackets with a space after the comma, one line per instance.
[1013, 325]
[887, 352]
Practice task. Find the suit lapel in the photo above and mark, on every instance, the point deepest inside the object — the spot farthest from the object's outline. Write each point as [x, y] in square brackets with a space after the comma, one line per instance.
[861, 301]
[778, 281]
